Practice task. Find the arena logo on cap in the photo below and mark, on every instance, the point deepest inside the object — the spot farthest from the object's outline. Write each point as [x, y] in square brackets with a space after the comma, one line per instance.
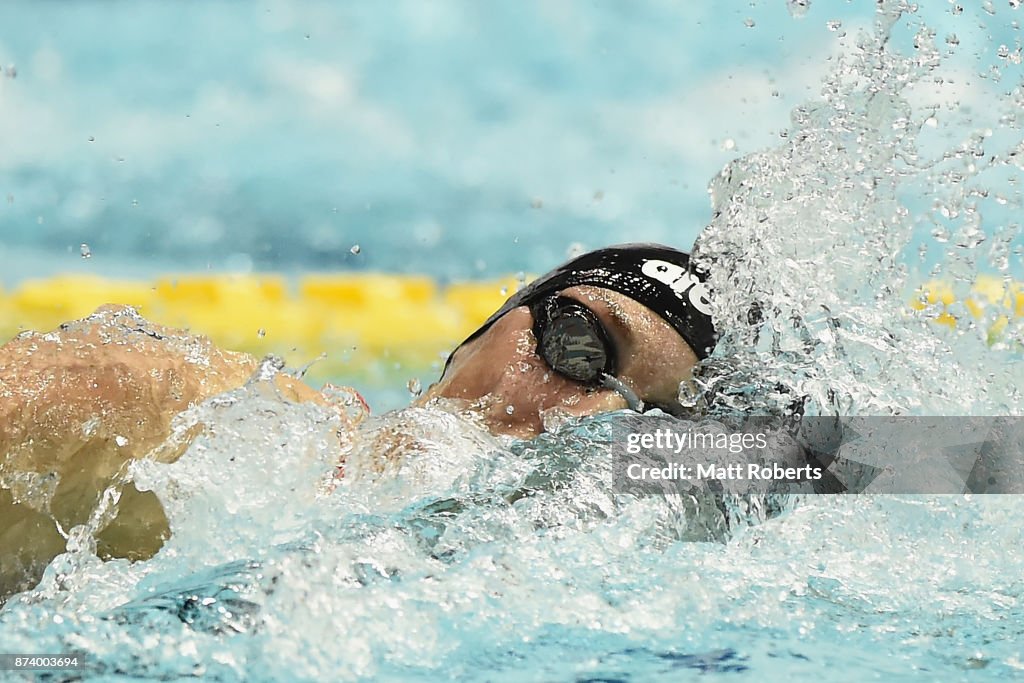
[681, 282]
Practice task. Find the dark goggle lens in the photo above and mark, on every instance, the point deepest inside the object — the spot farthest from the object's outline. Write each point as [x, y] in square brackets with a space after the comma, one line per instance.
[572, 340]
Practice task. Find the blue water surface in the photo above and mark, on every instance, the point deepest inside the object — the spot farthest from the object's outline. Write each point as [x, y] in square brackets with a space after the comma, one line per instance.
[458, 139]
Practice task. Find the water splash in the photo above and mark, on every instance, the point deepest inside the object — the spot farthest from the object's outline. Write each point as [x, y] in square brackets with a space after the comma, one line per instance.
[798, 8]
[812, 242]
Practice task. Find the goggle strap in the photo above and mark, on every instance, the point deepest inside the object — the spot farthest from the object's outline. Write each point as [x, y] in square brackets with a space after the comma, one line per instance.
[618, 386]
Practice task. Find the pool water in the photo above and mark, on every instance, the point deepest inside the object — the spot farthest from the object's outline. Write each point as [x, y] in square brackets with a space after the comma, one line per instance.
[467, 558]
[423, 569]
[447, 553]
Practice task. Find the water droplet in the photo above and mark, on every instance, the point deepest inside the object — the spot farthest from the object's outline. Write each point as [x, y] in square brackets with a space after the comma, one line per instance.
[554, 418]
[1000, 261]
[931, 121]
[414, 386]
[988, 7]
[957, 10]
[834, 24]
[1014, 4]
[12, 71]
[355, 249]
[89, 426]
[85, 251]
[268, 367]
[510, 409]
[970, 238]
[574, 250]
[728, 144]
[92, 138]
[798, 8]
[537, 204]
[952, 39]
[261, 333]
[120, 440]
[504, 291]
[688, 394]
[749, 23]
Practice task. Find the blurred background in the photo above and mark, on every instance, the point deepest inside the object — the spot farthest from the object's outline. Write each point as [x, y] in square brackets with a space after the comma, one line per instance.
[248, 168]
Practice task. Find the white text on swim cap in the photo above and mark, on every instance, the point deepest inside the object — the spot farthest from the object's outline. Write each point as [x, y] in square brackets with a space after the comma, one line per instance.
[680, 281]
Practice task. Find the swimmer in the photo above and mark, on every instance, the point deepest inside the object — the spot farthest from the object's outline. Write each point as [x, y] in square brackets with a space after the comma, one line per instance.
[620, 327]
[78, 403]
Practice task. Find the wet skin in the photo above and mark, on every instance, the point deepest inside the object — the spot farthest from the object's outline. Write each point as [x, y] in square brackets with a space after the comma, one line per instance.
[500, 376]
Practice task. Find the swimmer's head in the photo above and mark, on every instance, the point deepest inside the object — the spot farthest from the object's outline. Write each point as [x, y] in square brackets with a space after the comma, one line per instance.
[614, 328]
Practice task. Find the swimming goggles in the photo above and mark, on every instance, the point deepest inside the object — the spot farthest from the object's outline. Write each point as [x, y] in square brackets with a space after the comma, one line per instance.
[574, 343]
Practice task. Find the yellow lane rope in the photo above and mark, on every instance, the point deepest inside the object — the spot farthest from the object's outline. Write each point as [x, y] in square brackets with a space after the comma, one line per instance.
[367, 324]
[995, 298]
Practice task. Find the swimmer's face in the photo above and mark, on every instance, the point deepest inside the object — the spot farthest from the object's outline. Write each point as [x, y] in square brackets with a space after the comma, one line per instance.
[500, 375]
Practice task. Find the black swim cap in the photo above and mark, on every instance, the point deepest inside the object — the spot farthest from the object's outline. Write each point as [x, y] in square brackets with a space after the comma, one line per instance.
[659, 277]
